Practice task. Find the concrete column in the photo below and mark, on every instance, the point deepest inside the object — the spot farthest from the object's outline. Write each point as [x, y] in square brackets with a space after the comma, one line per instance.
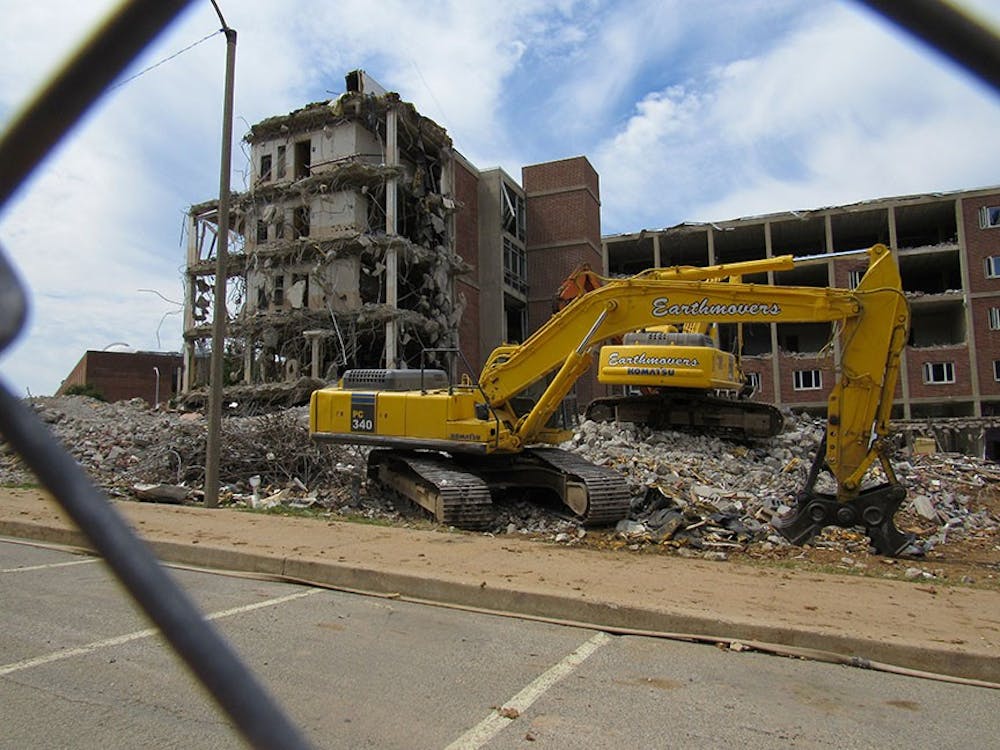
[904, 374]
[391, 261]
[248, 361]
[970, 328]
[657, 261]
[315, 340]
[775, 359]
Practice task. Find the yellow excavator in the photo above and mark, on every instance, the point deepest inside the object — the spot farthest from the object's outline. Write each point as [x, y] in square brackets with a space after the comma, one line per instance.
[448, 446]
[674, 375]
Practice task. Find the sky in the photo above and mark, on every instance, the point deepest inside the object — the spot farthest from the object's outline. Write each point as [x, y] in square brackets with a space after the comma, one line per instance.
[689, 111]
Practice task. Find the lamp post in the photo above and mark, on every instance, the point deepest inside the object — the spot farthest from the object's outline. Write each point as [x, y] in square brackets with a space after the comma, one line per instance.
[221, 258]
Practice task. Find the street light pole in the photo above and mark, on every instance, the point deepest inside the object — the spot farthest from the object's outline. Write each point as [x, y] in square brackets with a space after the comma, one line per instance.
[221, 262]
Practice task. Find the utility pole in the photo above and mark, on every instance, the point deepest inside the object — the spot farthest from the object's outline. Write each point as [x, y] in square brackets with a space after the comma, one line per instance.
[212, 448]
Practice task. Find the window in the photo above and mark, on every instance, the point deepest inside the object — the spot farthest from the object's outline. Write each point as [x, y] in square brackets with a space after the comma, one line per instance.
[994, 318]
[854, 278]
[939, 372]
[753, 380]
[279, 290]
[808, 380]
[261, 232]
[993, 267]
[265, 168]
[513, 211]
[300, 221]
[515, 266]
[280, 166]
[996, 370]
[989, 217]
[303, 157]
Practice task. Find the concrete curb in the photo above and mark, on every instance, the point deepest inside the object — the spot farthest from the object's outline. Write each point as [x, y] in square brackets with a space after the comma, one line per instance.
[923, 657]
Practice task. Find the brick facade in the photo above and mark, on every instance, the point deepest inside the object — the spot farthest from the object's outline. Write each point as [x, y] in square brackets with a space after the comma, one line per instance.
[467, 247]
[123, 375]
[563, 218]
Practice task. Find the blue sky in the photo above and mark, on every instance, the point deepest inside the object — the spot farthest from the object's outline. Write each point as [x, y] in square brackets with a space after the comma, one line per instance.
[689, 111]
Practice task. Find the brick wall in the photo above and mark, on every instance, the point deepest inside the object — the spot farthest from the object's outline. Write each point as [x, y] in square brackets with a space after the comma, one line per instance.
[124, 375]
[467, 216]
[980, 243]
[468, 326]
[563, 218]
[789, 364]
[987, 343]
[467, 247]
[556, 175]
[762, 366]
[958, 355]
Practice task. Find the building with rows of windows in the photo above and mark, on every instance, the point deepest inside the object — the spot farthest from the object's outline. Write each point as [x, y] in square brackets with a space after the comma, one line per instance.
[948, 249]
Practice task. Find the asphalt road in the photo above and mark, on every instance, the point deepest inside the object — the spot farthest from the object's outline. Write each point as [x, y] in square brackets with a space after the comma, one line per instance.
[79, 668]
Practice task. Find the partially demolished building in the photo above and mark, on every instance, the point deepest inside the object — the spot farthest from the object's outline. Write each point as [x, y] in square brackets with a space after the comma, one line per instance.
[365, 239]
[947, 246]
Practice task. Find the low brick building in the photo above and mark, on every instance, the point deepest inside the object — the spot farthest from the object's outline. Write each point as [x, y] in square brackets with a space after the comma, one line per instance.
[152, 376]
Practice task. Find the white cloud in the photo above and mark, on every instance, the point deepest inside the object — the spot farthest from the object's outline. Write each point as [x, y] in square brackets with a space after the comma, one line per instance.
[837, 111]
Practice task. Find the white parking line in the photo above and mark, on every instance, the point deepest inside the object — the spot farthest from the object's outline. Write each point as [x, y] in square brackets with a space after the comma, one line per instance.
[50, 565]
[69, 653]
[485, 730]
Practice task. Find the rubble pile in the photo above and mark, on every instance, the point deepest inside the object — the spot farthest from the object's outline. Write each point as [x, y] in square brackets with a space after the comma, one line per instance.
[689, 492]
[129, 449]
[703, 492]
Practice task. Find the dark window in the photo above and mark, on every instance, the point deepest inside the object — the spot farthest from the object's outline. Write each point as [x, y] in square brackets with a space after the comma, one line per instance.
[303, 157]
[280, 167]
[301, 221]
[265, 167]
[261, 232]
[279, 290]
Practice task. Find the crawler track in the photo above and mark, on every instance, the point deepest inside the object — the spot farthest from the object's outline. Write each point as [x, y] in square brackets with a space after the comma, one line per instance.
[714, 414]
[457, 491]
[455, 497]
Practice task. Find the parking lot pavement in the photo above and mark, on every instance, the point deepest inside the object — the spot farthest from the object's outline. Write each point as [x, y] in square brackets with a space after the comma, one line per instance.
[79, 667]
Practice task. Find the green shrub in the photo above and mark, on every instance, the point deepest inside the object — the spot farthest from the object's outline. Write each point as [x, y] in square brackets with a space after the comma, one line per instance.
[84, 389]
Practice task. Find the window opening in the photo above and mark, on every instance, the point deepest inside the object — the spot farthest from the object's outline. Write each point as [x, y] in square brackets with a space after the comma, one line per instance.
[993, 267]
[301, 221]
[989, 217]
[265, 167]
[280, 166]
[808, 380]
[996, 370]
[994, 318]
[939, 372]
[515, 266]
[303, 157]
[854, 278]
[279, 290]
[513, 211]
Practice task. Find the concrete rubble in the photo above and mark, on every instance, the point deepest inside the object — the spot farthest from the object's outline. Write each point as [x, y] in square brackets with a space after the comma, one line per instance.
[696, 494]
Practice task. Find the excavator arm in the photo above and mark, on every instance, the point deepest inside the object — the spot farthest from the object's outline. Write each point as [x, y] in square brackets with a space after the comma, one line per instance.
[872, 321]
